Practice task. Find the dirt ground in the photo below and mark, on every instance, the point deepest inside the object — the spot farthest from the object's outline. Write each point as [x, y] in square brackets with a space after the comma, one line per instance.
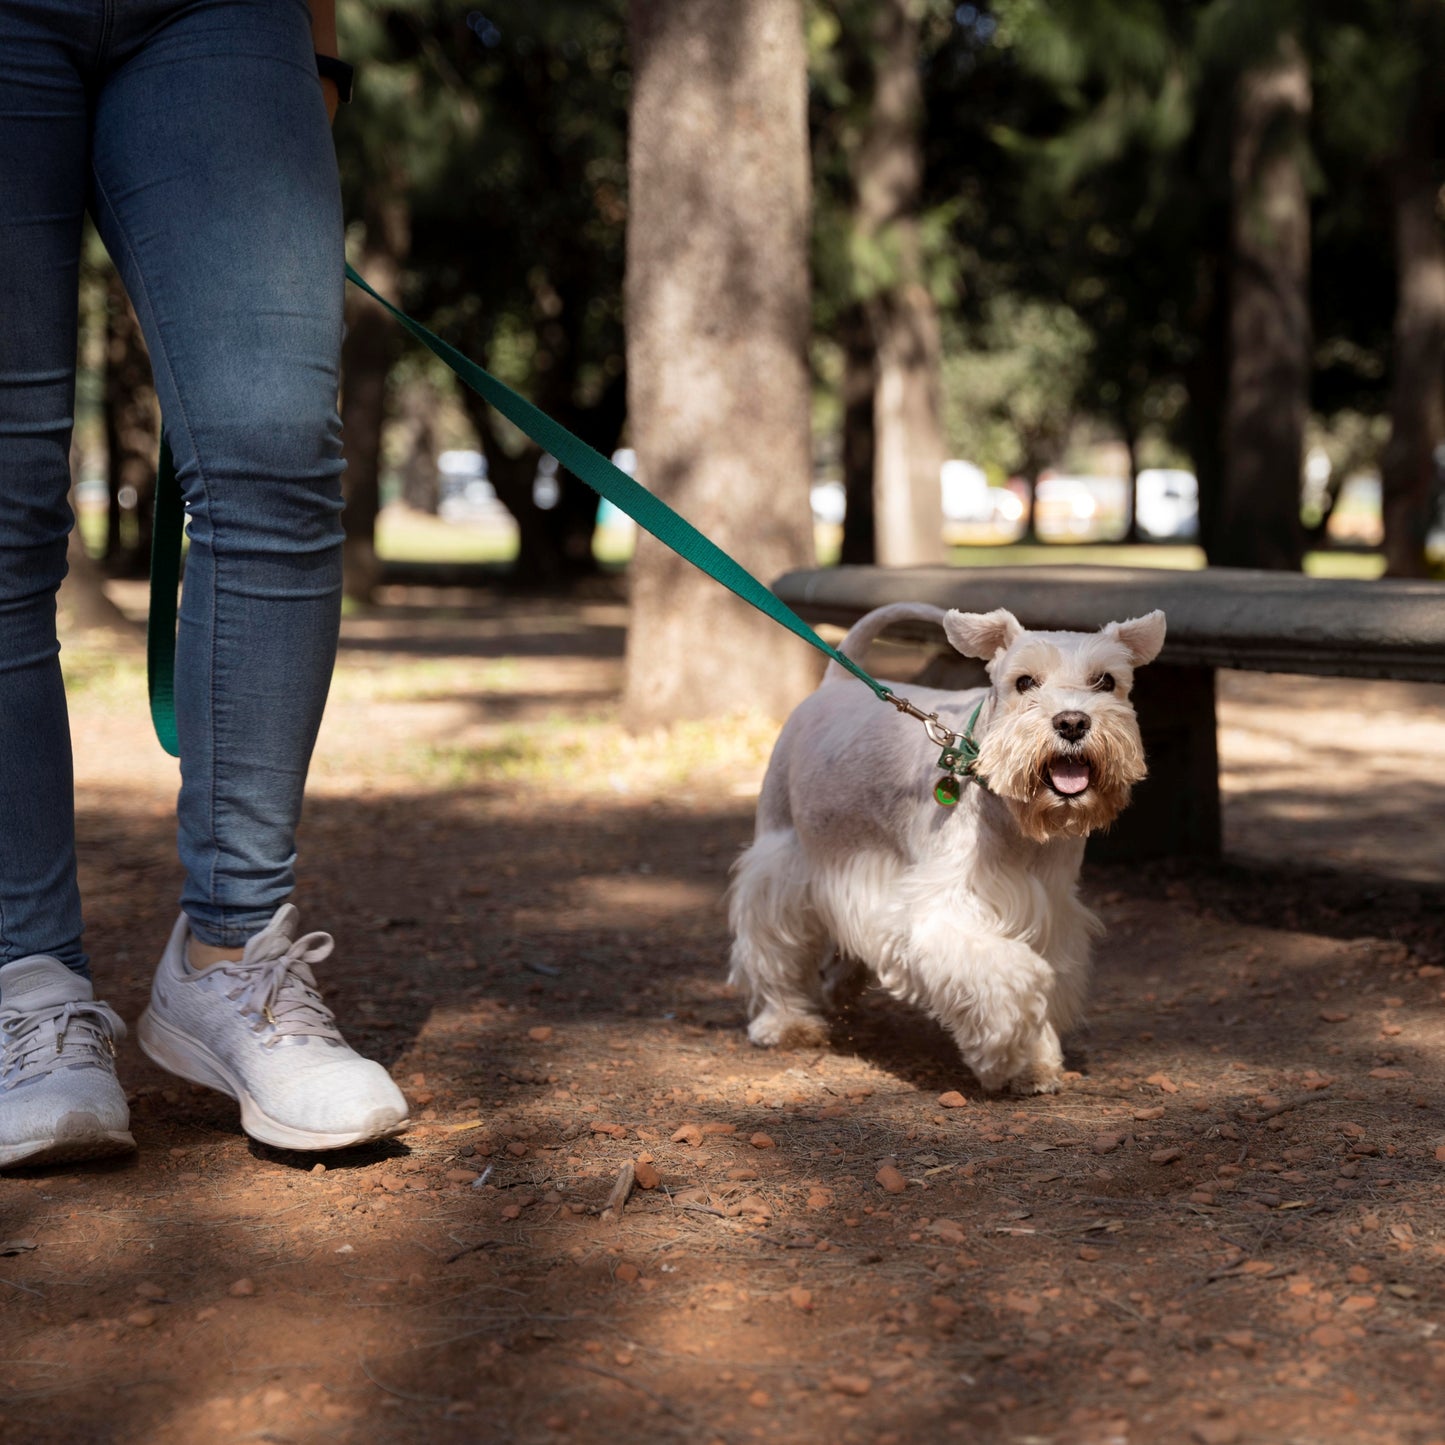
[1230, 1227]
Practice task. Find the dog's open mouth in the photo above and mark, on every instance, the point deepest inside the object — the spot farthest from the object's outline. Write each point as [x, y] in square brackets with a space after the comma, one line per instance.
[1069, 776]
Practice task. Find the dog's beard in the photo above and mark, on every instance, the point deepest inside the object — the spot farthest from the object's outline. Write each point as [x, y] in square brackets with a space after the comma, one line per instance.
[1056, 789]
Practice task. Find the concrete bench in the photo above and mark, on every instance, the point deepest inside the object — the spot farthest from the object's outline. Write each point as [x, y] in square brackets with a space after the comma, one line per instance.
[1262, 621]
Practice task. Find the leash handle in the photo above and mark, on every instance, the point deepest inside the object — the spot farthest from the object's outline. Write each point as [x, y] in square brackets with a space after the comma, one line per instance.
[583, 461]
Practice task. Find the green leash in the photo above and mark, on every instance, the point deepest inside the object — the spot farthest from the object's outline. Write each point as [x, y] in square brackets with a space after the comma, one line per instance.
[583, 461]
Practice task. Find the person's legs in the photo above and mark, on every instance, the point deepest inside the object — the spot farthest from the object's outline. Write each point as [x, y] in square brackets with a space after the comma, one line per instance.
[59, 1098]
[216, 192]
[215, 189]
[43, 147]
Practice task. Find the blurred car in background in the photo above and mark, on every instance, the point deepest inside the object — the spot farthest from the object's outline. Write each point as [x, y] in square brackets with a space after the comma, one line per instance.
[1166, 504]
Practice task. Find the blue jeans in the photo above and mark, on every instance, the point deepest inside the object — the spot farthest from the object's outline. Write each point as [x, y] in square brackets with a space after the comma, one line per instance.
[195, 132]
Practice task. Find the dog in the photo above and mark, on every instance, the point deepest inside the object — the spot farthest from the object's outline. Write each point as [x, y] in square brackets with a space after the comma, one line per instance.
[969, 911]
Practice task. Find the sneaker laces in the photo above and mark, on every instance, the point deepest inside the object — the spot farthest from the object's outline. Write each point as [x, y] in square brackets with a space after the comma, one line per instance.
[36, 1041]
[269, 986]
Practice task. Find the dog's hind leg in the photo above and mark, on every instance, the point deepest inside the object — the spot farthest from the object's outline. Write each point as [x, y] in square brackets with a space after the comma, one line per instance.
[778, 943]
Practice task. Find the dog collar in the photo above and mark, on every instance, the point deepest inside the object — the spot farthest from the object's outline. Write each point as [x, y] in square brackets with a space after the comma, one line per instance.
[959, 758]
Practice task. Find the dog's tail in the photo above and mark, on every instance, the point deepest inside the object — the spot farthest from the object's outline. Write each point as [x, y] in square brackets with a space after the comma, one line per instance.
[862, 632]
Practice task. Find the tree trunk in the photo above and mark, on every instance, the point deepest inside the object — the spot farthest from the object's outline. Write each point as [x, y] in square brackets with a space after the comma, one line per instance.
[888, 175]
[420, 480]
[860, 385]
[132, 433]
[366, 359]
[717, 329]
[1269, 331]
[1417, 390]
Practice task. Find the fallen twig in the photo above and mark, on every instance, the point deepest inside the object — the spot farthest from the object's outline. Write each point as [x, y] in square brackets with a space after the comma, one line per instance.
[402, 1394]
[617, 1200]
[661, 1400]
[1264, 1114]
[470, 1249]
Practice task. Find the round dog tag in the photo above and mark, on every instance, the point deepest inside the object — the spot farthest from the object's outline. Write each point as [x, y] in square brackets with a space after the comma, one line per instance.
[947, 791]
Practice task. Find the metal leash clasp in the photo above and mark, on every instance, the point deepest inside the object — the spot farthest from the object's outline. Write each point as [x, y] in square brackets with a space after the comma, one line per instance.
[959, 756]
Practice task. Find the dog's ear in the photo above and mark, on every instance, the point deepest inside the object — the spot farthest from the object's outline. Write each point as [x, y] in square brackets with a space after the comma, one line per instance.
[981, 634]
[1142, 636]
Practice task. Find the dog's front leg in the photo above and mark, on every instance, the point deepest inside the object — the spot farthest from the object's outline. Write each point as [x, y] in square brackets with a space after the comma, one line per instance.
[993, 995]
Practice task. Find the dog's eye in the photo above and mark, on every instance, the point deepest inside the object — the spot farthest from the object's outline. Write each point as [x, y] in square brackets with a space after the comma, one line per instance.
[1025, 683]
[1104, 682]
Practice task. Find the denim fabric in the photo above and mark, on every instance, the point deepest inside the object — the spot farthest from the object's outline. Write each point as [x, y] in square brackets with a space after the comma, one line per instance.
[196, 134]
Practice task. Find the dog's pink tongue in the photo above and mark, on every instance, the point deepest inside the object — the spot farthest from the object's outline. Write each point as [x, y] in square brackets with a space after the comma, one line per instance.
[1069, 775]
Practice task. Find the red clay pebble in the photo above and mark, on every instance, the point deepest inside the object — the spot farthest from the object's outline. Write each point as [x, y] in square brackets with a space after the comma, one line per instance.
[850, 1384]
[800, 1298]
[1214, 1432]
[891, 1179]
[541, 1034]
[741, 1173]
[762, 1141]
[718, 1128]
[1106, 1143]
[1166, 1156]
[646, 1175]
[149, 1289]
[242, 1288]
[141, 1319]
[1157, 1112]
[688, 1134]
[952, 1100]
[460, 1176]
[627, 1273]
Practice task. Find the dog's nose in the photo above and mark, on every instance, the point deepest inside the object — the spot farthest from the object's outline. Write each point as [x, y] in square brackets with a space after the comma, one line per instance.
[1071, 726]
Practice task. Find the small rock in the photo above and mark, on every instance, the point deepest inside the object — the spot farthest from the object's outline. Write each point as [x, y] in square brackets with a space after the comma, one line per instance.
[209, 1313]
[1106, 1143]
[517, 1149]
[952, 1100]
[1358, 1304]
[241, 1289]
[540, 1034]
[741, 1173]
[690, 1134]
[1089, 1252]
[800, 1299]
[891, 1179]
[646, 1175]
[1137, 1377]
[714, 1127]
[627, 1273]
[1157, 1112]
[460, 1176]
[1214, 1432]
[1333, 1015]
[760, 1399]
[763, 1141]
[850, 1384]
[141, 1319]
[1163, 1081]
[950, 1231]
[393, 1183]
[1166, 1156]
[149, 1289]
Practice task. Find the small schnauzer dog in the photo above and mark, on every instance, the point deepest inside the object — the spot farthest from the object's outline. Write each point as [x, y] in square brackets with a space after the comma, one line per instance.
[969, 910]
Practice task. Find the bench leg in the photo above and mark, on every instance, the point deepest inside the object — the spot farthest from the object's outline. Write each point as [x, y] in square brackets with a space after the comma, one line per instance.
[1175, 812]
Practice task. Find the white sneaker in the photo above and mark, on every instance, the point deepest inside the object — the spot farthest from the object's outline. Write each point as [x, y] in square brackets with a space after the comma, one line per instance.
[256, 1029]
[59, 1097]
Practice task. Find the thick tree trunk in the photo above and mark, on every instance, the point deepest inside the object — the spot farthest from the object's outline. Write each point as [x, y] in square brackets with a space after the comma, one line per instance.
[860, 386]
[1417, 391]
[132, 433]
[366, 360]
[888, 176]
[717, 329]
[1269, 334]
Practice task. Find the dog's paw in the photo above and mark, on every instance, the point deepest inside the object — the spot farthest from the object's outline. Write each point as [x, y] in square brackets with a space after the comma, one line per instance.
[777, 1028]
[1032, 1083]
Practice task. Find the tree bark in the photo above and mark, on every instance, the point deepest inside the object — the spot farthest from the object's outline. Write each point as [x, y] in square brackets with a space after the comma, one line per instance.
[717, 326]
[1269, 333]
[366, 360]
[860, 386]
[908, 424]
[1417, 390]
[132, 432]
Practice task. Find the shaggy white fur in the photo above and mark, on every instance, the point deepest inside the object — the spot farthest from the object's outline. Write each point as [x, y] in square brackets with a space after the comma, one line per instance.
[970, 912]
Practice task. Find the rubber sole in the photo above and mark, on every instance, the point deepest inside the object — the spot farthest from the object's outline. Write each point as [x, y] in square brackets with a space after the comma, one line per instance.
[77, 1137]
[181, 1055]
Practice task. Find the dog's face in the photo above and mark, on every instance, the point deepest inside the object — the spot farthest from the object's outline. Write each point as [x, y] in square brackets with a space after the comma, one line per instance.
[1062, 744]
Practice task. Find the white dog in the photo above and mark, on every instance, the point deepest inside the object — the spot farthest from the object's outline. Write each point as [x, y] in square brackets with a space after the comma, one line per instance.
[970, 911]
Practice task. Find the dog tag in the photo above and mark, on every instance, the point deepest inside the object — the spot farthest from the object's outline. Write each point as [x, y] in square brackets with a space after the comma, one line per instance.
[947, 791]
